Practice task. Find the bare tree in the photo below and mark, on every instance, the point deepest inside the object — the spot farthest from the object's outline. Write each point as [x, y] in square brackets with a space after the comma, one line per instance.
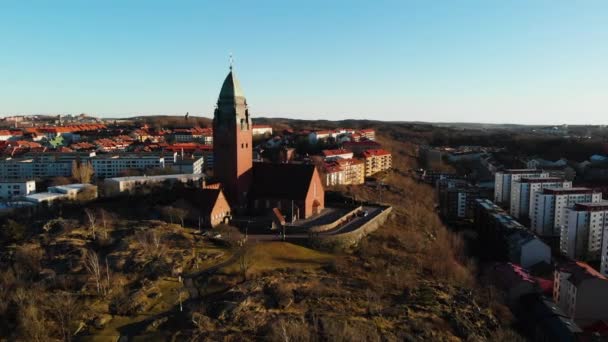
[106, 220]
[91, 263]
[168, 212]
[82, 172]
[244, 262]
[64, 308]
[180, 214]
[91, 221]
[151, 243]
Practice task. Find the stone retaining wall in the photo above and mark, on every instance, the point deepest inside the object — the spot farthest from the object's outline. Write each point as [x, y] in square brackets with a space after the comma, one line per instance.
[347, 240]
[330, 226]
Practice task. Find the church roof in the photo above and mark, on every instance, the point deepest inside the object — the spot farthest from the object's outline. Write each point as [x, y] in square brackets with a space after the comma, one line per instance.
[231, 87]
[281, 181]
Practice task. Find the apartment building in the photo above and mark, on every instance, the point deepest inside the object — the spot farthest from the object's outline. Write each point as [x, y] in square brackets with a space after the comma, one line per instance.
[548, 207]
[259, 130]
[359, 146]
[111, 165]
[63, 192]
[507, 239]
[525, 249]
[459, 202]
[12, 189]
[334, 174]
[581, 292]
[524, 188]
[329, 155]
[377, 161]
[41, 165]
[188, 165]
[368, 134]
[344, 172]
[582, 234]
[504, 179]
[124, 185]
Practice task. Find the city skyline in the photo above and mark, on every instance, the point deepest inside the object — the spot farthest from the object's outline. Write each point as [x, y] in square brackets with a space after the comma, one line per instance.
[523, 62]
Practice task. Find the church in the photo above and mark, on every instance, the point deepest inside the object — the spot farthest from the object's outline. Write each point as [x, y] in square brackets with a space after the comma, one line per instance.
[257, 188]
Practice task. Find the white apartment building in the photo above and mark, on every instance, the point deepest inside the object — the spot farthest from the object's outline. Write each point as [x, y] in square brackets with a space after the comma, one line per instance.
[41, 165]
[548, 207]
[261, 130]
[185, 165]
[525, 188]
[118, 185]
[583, 232]
[581, 292]
[61, 192]
[525, 249]
[504, 179]
[10, 189]
[111, 165]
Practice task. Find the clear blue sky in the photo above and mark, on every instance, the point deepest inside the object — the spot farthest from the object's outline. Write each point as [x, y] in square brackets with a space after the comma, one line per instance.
[519, 61]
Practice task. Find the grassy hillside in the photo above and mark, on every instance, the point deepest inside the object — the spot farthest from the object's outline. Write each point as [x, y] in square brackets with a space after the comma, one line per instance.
[410, 280]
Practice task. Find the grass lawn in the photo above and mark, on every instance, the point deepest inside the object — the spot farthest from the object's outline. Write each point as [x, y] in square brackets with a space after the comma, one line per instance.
[276, 255]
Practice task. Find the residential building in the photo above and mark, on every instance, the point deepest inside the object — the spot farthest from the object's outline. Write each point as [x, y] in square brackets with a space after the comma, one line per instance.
[546, 321]
[335, 154]
[359, 146]
[432, 176]
[188, 165]
[581, 292]
[63, 192]
[12, 189]
[318, 136]
[583, 231]
[449, 183]
[262, 130]
[368, 134]
[41, 165]
[376, 161]
[523, 189]
[514, 281]
[525, 249]
[334, 174]
[459, 202]
[129, 185]
[548, 207]
[504, 179]
[505, 238]
[354, 170]
[111, 165]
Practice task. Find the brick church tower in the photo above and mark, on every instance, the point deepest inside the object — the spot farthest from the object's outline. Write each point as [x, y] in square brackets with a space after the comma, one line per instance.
[232, 142]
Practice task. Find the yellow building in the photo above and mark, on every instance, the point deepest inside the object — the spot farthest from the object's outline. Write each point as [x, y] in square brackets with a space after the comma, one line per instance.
[377, 161]
[344, 172]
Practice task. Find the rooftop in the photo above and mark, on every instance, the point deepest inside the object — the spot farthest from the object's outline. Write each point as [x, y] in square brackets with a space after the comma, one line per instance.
[44, 196]
[376, 152]
[541, 180]
[522, 171]
[192, 176]
[562, 191]
[329, 153]
[591, 206]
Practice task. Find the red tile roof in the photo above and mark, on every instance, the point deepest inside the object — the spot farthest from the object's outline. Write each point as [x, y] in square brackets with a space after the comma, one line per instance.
[375, 153]
[337, 152]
